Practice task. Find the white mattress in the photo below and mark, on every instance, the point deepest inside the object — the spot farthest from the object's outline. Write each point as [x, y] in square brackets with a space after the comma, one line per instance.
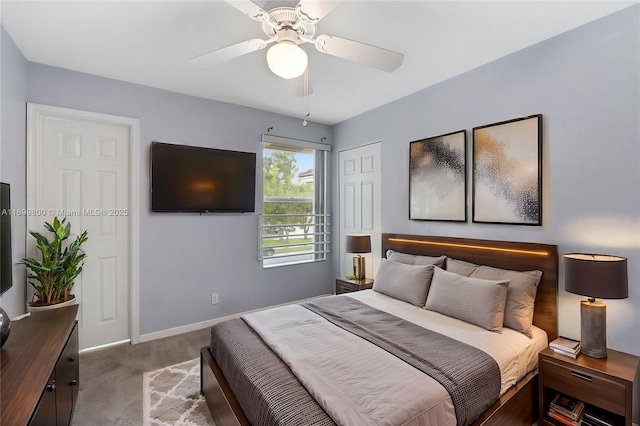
[515, 353]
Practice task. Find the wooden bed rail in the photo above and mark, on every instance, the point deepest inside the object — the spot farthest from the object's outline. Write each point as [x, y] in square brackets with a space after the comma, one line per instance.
[221, 401]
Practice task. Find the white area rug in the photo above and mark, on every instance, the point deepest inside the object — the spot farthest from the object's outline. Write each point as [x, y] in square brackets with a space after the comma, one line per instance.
[172, 396]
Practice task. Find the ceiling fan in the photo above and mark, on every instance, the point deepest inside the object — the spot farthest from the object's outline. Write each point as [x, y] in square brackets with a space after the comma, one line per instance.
[289, 27]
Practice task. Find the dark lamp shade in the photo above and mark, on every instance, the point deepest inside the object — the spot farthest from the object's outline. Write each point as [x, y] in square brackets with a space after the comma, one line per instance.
[596, 275]
[358, 243]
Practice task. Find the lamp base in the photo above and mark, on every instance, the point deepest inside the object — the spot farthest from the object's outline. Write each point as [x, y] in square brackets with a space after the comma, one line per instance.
[358, 267]
[593, 328]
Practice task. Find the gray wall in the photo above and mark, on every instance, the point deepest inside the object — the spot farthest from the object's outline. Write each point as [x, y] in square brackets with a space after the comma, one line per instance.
[13, 157]
[586, 85]
[186, 257]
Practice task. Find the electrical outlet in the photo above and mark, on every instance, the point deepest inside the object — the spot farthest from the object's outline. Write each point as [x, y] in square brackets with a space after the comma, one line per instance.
[214, 298]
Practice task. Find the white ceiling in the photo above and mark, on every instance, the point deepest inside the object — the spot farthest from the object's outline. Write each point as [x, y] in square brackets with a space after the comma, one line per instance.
[149, 42]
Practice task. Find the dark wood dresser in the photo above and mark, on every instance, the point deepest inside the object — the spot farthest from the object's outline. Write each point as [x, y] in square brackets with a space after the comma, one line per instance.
[40, 369]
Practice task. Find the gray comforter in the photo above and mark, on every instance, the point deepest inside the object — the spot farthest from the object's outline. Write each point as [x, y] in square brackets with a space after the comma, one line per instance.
[471, 377]
[264, 386]
[280, 390]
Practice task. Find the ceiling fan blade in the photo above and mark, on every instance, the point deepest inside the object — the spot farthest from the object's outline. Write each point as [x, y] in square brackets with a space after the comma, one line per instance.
[250, 9]
[311, 11]
[376, 57]
[230, 52]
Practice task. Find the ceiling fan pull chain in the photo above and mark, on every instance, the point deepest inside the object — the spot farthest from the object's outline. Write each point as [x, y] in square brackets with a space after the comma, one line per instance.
[306, 97]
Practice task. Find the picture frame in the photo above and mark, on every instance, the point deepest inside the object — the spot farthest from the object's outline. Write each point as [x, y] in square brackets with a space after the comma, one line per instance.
[507, 172]
[438, 178]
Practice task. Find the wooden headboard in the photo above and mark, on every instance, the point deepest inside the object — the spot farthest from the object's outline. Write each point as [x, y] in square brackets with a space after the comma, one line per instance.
[499, 254]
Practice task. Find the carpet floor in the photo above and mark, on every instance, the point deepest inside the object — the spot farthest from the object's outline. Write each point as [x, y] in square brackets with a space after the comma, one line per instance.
[111, 379]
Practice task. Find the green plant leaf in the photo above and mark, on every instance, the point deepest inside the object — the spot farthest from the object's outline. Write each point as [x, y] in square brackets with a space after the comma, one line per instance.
[64, 233]
[49, 228]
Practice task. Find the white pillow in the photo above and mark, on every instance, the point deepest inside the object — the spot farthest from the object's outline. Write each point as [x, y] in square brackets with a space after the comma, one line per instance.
[521, 295]
[413, 259]
[461, 267]
[473, 300]
[405, 282]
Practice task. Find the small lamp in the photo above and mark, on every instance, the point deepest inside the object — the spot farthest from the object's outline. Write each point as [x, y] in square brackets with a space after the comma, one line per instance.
[595, 275]
[358, 243]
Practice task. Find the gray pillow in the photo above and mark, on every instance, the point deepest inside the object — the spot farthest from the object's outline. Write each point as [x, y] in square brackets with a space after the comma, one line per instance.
[461, 267]
[473, 300]
[521, 295]
[405, 282]
[412, 259]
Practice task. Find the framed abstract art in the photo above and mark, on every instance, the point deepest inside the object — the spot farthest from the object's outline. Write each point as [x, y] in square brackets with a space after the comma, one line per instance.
[438, 178]
[507, 172]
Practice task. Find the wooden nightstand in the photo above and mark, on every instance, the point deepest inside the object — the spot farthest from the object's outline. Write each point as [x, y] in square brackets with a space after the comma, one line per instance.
[344, 285]
[605, 383]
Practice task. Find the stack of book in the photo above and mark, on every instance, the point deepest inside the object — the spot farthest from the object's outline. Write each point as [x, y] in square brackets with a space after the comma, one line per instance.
[566, 410]
[566, 347]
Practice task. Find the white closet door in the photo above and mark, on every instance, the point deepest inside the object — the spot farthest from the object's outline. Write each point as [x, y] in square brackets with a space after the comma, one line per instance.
[360, 203]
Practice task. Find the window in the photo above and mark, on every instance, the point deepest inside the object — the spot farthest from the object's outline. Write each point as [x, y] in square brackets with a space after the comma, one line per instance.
[294, 226]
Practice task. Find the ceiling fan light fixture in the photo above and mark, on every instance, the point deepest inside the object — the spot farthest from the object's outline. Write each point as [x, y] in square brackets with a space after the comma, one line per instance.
[287, 60]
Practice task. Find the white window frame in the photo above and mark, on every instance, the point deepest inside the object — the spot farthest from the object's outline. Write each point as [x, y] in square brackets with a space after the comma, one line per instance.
[320, 218]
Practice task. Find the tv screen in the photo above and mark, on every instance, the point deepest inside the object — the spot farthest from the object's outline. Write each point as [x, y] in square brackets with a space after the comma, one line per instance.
[5, 238]
[193, 179]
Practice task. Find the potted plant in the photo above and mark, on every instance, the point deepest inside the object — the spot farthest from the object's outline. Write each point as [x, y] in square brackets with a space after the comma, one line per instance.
[52, 277]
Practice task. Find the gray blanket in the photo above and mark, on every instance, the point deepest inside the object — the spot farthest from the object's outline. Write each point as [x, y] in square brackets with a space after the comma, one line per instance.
[267, 391]
[471, 376]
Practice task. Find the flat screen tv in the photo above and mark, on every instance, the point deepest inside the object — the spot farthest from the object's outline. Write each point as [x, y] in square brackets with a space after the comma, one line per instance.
[5, 238]
[194, 179]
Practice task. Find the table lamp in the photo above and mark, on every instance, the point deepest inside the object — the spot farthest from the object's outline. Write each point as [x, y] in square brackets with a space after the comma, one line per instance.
[595, 275]
[358, 243]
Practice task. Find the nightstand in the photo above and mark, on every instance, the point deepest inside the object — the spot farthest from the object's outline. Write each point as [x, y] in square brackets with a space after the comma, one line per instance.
[344, 285]
[606, 383]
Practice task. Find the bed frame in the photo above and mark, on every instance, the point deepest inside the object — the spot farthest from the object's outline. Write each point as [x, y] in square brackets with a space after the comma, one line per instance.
[517, 406]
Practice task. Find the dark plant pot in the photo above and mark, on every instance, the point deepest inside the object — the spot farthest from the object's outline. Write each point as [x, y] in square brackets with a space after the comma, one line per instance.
[5, 327]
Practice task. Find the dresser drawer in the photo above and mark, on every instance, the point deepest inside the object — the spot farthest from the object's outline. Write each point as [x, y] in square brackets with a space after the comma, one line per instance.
[585, 386]
[344, 285]
[345, 288]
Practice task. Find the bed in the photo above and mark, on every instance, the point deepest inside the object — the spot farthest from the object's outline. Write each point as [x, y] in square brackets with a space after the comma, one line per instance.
[515, 404]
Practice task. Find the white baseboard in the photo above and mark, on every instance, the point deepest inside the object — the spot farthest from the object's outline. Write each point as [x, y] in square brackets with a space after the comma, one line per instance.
[108, 345]
[185, 328]
[209, 323]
